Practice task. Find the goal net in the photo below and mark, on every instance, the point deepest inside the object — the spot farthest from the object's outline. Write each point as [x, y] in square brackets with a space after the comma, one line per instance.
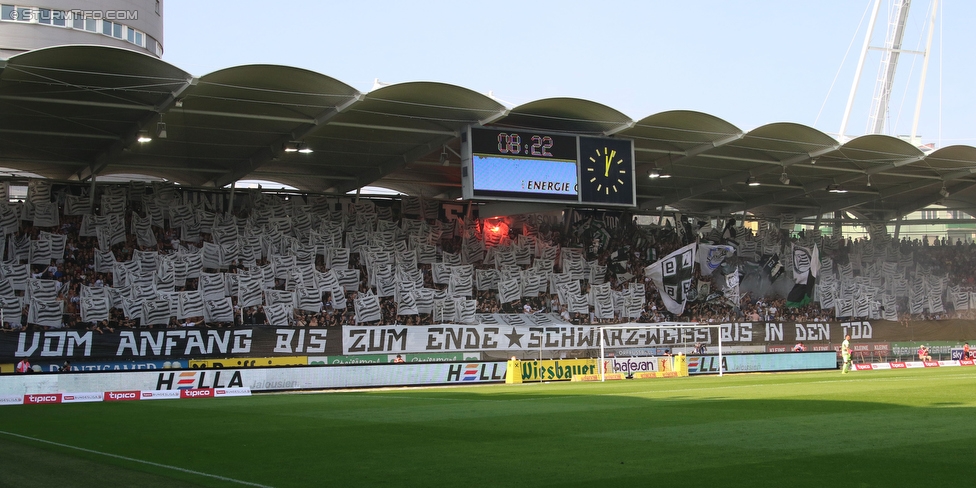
[633, 348]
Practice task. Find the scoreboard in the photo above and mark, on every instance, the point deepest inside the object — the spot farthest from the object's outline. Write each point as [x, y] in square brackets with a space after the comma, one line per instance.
[541, 166]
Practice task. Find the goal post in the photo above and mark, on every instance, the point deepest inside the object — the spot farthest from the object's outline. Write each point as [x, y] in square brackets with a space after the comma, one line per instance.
[656, 340]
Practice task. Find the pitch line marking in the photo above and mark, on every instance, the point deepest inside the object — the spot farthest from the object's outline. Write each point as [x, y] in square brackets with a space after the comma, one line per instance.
[125, 458]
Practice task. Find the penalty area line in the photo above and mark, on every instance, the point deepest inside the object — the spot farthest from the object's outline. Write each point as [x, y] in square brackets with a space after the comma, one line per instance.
[134, 460]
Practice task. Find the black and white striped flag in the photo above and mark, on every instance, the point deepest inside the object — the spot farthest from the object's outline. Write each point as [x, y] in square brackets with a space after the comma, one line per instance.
[18, 274]
[9, 220]
[533, 283]
[6, 289]
[367, 308]
[844, 307]
[164, 280]
[148, 261]
[190, 304]
[338, 258]
[577, 303]
[112, 204]
[509, 290]
[466, 311]
[194, 264]
[231, 284]
[406, 303]
[959, 297]
[935, 303]
[426, 253]
[486, 279]
[460, 281]
[211, 286]
[445, 311]
[218, 310]
[58, 243]
[278, 314]
[104, 261]
[348, 278]
[384, 278]
[42, 290]
[441, 273]
[309, 300]
[249, 291]
[46, 215]
[889, 308]
[213, 256]
[602, 298]
[94, 309]
[272, 297]
[18, 247]
[424, 298]
[77, 205]
[47, 314]
[155, 312]
[598, 273]
[12, 308]
[862, 307]
[40, 252]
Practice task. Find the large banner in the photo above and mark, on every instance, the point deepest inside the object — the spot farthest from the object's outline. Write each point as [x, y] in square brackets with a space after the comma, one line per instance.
[160, 344]
[254, 343]
[530, 339]
[258, 379]
[755, 363]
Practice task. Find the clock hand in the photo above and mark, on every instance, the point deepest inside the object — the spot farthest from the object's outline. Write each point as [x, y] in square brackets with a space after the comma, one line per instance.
[607, 173]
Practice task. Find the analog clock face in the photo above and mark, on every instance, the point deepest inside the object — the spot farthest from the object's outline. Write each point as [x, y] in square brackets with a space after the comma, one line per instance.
[606, 171]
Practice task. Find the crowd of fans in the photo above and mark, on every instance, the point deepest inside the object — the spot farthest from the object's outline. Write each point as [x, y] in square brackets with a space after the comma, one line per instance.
[616, 242]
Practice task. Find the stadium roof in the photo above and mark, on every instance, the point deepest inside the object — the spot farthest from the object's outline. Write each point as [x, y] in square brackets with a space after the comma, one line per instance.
[70, 112]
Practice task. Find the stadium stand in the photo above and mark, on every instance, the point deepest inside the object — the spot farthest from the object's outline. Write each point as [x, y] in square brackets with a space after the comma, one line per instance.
[155, 255]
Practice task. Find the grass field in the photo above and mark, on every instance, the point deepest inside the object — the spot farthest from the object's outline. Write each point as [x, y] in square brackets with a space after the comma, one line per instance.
[881, 428]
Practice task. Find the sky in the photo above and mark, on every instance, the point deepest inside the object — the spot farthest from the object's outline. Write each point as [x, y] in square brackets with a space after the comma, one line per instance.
[749, 62]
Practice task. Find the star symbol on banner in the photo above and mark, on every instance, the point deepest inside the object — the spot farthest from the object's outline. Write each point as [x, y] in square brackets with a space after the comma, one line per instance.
[514, 338]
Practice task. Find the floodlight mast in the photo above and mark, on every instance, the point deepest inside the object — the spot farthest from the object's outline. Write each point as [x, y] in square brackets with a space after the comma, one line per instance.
[891, 52]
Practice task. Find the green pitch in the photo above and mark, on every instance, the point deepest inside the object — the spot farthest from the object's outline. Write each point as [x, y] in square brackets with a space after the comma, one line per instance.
[881, 428]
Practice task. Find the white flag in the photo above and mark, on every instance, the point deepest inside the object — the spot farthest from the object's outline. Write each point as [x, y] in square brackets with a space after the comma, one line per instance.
[672, 276]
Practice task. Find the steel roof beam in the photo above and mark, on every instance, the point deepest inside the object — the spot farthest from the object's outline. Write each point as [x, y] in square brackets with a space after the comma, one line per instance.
[276, 149]
[395, 164]
[924, 202]
[111, 153]
[741, 176]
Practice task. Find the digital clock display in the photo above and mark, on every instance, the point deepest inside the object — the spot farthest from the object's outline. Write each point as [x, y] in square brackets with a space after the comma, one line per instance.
[514, 165]
[523, 144]
[540, 166]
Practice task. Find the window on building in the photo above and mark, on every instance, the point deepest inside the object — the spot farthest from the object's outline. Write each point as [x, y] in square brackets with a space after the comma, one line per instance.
[14, 13]
[91, 25]
[113, 29]
[157, 7]
[138, 41]
[51, 17]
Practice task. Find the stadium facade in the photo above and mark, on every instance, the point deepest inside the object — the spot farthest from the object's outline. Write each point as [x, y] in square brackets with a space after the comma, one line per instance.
[36, 24]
